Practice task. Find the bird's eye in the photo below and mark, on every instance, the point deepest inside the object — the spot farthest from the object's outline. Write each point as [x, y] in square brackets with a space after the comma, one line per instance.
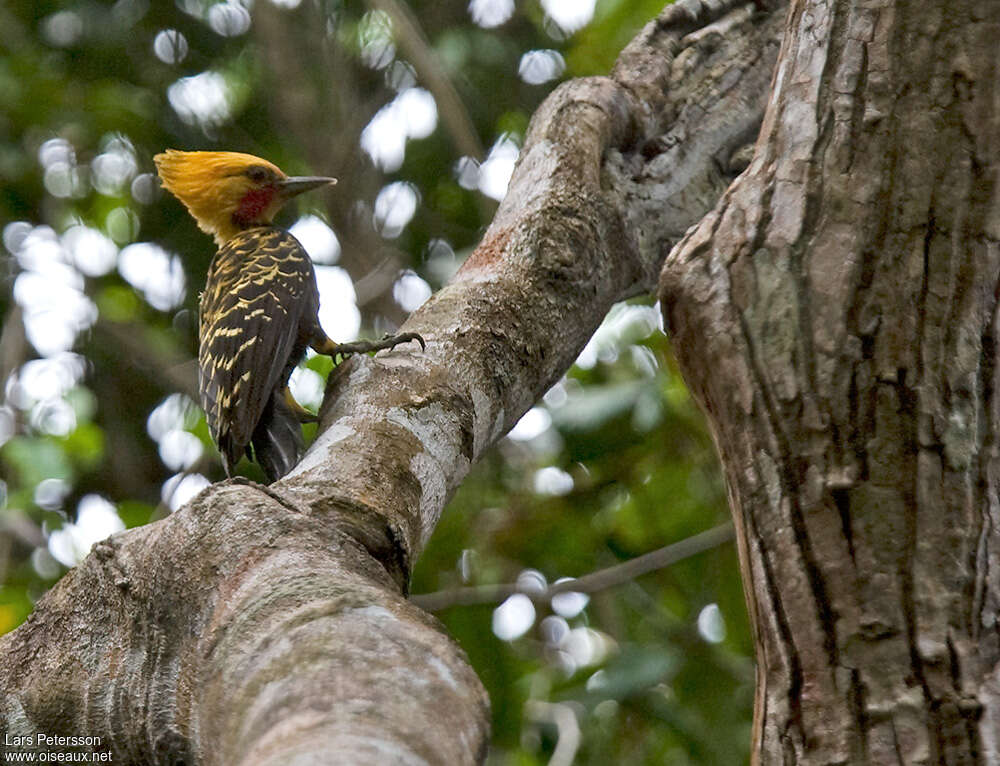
[258, 174]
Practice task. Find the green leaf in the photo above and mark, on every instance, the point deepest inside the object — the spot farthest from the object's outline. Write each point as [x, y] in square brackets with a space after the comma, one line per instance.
[85, 445]
[118, 303]
[35, 459]
[633, 671]
[135, 513]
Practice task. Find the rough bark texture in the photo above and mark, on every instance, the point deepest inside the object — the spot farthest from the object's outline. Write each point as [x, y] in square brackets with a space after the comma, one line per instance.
[268, 625]
[837, 315]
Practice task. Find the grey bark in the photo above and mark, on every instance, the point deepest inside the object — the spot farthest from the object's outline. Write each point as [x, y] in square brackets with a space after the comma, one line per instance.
[269, 625]
[836, 314]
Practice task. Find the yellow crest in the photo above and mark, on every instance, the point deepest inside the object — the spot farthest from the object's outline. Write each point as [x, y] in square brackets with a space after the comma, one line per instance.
[214, 185]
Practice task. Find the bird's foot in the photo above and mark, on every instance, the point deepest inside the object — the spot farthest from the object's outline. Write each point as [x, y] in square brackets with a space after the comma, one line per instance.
[367, 346]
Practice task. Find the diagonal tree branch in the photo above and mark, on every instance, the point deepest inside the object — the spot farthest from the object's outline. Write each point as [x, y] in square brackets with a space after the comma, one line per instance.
[417, 49]
[602, 579]
[173, 372]
[269, 625]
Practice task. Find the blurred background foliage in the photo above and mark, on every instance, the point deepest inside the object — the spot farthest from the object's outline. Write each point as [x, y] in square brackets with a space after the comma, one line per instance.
[419, 109]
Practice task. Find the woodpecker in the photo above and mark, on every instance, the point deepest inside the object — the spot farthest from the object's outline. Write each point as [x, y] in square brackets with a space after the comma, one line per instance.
[259, 311]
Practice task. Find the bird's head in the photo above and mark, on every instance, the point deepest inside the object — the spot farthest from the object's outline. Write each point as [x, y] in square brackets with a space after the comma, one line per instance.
[227, 192]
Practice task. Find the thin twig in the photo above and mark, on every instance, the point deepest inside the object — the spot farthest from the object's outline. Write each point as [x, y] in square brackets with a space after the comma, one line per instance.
[174, 372]
[418, 51]
[13, 343]
[595, 581]
[567, 728]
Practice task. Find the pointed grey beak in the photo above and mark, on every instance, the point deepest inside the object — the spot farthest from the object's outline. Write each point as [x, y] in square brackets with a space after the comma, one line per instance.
[291, 187]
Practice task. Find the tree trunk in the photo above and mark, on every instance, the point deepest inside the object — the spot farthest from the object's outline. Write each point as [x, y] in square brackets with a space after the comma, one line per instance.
[268, 625]
[836, 316]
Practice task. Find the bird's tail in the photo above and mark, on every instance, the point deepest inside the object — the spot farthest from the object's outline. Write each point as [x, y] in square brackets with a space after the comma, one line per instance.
[277, 439]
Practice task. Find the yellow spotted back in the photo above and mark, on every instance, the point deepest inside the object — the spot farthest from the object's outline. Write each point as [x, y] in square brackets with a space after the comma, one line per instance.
[257, 315]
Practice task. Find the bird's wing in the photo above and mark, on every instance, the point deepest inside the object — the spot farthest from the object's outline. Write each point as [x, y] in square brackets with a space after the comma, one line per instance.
[259, 287]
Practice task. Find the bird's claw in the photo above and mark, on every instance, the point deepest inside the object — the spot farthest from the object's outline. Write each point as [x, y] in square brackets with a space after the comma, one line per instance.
[387, 342]
[404, 337]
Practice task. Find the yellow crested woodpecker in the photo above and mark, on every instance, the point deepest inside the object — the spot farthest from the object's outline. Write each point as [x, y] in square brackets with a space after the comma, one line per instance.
[258, 313]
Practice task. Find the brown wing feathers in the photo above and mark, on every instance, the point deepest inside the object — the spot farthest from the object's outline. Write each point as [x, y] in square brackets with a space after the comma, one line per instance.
[256, 316]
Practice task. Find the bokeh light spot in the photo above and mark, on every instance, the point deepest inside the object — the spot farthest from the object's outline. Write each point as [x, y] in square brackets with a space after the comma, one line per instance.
[513, 618]
[170, 46]
[491, 13]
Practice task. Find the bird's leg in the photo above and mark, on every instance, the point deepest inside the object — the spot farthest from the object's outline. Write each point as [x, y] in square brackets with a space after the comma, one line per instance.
[299, 412]
[330, 348]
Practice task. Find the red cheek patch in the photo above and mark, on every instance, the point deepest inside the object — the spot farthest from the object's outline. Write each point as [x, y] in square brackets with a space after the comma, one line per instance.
[253, 205]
